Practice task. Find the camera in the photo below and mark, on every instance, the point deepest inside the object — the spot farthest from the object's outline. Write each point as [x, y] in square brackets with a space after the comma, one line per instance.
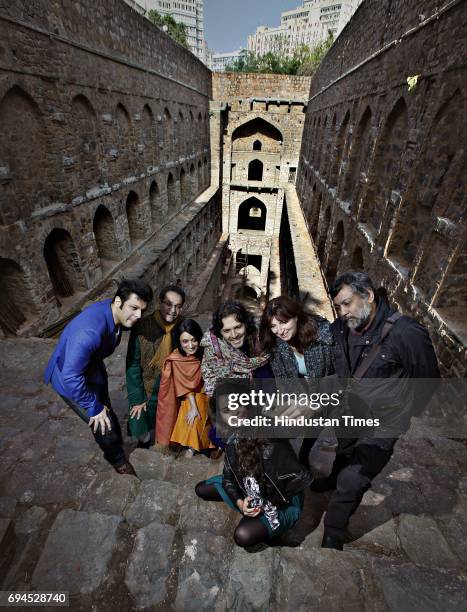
[254, 502]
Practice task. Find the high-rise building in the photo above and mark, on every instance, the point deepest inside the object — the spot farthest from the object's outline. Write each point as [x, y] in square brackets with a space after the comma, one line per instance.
[188, 12]
[308, 24]
[219, 61]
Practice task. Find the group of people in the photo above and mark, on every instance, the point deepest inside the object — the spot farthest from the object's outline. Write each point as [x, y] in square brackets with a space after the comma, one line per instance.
[173, 369]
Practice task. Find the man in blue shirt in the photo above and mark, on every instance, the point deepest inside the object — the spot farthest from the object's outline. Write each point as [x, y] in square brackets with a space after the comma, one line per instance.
[77, 371]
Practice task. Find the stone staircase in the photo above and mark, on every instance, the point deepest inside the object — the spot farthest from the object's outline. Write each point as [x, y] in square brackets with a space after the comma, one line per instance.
[69, 522]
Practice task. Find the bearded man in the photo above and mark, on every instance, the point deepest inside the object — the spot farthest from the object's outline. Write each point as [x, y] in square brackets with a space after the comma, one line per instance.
[151, 342]
[387, 354]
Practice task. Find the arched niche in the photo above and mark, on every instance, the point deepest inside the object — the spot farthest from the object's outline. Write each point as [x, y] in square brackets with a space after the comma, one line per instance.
[245, 135]
[252, 215]
[63, 263]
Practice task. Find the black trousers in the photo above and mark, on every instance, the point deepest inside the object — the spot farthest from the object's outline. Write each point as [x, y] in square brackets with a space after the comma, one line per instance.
[351, 476]
[111, 443]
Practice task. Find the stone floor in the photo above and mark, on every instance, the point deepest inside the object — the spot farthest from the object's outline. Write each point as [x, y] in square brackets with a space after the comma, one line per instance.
[68, 522]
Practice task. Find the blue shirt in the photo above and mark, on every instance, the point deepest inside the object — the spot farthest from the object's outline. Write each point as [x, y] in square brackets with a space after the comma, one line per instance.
[76, 368]
[300, 359]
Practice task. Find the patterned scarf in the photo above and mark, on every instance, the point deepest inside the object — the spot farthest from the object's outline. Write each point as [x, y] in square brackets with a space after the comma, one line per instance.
[222, 360]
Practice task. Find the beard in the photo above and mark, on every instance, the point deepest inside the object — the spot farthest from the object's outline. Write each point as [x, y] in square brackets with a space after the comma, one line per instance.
[361, 318]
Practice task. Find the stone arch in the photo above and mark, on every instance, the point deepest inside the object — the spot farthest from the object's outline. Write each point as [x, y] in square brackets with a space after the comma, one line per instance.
[386, 174]
[21, 153]
[189, 273]
[169, 135]
[184, 191]
[438, 192]
[171, 194]
[157, 213]
[16, 306]
[335, 252]
[357, 259]
[252, 215]
[86, 172]
[339, 150]
[314, 216]
[328, 145]
[244, 136]
[106, 239]
[316, 141]
[257, 145]
[200, 176]
[255, 170]
[323, 235]
[123, 129]
[133, 213]
[61, 257]
[181, 133]
[452, 295]
[358, 159]
[206, 172]
[193, 181]
[147, 139]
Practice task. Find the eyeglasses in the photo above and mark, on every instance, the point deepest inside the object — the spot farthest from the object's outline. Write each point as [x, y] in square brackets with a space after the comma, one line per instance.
[172, 306]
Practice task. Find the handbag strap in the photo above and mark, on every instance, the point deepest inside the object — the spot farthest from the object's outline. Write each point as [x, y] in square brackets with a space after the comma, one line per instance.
[371, 356]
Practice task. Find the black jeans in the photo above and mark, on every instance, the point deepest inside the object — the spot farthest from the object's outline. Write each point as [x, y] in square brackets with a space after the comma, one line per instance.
[111, 443]
[351, 476]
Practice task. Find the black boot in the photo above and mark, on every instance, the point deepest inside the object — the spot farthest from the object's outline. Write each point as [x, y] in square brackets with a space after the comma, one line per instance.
[330, 542]
[145, 445]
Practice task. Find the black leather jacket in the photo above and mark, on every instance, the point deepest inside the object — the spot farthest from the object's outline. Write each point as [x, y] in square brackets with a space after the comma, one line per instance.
[399, 382]
[285, 475]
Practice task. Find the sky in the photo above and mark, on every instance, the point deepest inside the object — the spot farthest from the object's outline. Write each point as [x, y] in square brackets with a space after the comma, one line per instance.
[227, 23]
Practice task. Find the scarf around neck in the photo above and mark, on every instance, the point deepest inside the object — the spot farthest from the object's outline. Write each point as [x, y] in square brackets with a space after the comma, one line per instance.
[165, 346]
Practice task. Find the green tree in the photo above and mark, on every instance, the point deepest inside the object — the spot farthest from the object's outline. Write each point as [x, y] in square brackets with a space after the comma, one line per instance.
[167, 23]
[314, 57]
[304, 60]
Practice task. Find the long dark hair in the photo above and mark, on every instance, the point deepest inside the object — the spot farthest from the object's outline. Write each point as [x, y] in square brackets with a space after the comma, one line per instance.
[240, 313]
[190, 326]
[250, 460]
[283, 309]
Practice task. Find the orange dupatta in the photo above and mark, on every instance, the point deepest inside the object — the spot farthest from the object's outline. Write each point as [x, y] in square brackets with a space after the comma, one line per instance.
[181, 375]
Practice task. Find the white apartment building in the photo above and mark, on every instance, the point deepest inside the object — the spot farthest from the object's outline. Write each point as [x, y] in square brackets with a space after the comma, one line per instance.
[219, 61]
[308, 24]
[188, 12]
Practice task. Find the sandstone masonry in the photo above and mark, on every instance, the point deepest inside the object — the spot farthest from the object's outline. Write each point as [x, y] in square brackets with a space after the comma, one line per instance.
[381, 177]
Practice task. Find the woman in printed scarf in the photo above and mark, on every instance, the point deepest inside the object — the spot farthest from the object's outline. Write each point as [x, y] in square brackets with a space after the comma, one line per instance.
[151, 342]
[231, 350]
[300, 346]
[182, 405]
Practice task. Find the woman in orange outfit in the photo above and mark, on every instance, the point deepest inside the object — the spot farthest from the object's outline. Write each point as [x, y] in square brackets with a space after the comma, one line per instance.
[182, 406]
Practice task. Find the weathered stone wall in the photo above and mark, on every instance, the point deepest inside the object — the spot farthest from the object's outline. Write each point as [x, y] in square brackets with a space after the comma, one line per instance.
[229, 86]
[260, 156]
[105, 140]
[380, 176]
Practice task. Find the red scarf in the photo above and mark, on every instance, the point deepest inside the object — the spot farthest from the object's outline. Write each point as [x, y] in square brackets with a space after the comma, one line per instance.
[181, 375]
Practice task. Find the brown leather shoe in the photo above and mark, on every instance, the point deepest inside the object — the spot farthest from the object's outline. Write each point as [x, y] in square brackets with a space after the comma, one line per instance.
[125, 468]
[216, 453]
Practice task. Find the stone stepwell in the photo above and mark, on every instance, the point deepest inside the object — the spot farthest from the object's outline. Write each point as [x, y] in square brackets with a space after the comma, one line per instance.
[69, 522]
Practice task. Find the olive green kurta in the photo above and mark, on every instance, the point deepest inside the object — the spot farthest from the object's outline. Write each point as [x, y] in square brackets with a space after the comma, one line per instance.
[136, 392]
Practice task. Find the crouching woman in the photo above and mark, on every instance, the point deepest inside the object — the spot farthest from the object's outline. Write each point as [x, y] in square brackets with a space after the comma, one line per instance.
[263, 480]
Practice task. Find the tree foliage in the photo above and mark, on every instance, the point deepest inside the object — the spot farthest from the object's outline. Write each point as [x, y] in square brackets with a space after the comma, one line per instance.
[304, 60]
[166, 22]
